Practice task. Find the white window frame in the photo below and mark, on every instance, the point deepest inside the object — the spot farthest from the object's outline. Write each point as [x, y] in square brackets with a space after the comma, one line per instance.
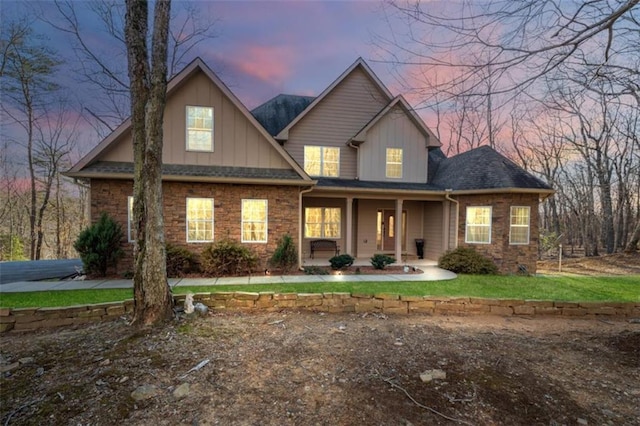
[198, 129]
[323, 170]
[468, 224]
[266, 221]
[200, 220]
[323, 223]
[394, 163]
[527, 226]
[130, 236]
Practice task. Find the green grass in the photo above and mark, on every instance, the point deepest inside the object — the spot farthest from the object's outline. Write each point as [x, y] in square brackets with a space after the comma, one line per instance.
[557, 288]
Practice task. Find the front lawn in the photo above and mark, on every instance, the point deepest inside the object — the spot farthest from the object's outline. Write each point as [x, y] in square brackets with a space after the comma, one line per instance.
[557, 288]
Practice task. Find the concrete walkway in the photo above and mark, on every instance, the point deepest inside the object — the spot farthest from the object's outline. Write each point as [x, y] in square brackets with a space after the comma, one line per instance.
[431, 273]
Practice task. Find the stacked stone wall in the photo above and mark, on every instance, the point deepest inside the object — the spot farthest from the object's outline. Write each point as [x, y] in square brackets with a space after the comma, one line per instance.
[28, 319]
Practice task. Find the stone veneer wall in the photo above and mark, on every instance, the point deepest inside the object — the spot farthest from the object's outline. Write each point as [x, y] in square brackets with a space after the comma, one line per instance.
[111, 196]
[506, 256]
[27, 319]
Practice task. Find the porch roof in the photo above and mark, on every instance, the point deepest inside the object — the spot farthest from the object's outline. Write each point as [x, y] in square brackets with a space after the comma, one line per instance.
[335, 183]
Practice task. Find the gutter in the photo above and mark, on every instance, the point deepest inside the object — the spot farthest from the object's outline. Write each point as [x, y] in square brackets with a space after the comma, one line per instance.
[447, 195]
[357, 148]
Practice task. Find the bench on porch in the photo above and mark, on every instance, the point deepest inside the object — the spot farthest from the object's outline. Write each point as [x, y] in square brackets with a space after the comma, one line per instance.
[324, 245]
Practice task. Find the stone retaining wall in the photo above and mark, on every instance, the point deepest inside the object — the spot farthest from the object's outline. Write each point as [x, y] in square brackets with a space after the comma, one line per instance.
[37, 318]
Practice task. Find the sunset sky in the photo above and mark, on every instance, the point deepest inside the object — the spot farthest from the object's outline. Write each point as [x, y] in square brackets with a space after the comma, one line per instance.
[261, 48]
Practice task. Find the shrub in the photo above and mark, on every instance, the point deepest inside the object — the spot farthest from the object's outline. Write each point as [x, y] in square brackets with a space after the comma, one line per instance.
[228, 257]
[381, 261]
[285, 257]
[99, 245]
[315, 270]
[180, 261]
[342, 261]
[465, 260]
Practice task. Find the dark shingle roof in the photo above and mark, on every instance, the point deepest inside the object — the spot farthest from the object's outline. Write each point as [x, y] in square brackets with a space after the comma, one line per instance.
[483, 168]
[197, 171]
[276, 113]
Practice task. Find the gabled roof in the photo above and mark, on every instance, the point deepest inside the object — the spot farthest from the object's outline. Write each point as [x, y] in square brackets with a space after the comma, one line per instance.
[483, 168]
[172, 86]
[432, 140]
[359, 63]
[276, 113]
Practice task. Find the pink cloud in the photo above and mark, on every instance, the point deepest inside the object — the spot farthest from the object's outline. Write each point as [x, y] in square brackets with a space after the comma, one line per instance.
[270, 64]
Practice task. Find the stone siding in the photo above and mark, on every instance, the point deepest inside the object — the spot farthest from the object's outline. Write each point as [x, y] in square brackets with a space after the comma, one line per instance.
[28, 319]
[508, 257]
[111, 196]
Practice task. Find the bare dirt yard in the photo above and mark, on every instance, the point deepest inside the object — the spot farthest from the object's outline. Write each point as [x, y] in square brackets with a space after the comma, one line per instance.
[307, 368]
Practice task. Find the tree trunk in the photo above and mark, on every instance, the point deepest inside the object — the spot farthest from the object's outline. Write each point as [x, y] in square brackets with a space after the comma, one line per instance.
[152, 295]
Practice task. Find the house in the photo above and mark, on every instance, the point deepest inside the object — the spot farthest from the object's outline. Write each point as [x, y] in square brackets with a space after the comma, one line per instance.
[355, 165]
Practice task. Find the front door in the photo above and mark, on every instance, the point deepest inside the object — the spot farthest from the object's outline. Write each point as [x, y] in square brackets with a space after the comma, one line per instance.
[387, 229]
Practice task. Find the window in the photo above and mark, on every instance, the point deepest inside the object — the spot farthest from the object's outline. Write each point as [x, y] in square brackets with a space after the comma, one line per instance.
[322, 222]
[131, 234]
[478, 225]
[322, 161]
[519, 229]
[199, 128]
[199, 220]
[394, 162]
[254, 221]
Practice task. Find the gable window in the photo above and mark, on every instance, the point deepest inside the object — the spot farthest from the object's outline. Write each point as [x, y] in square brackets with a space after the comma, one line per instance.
[478, 228]
[254, 221]
[199, 128]
[199, 220]
[322, 222]
[131, 234]
[519, 228]
[322, 161]
[394, 163]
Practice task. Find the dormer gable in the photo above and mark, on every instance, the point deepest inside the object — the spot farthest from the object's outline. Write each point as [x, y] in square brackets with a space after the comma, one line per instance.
[205, 126]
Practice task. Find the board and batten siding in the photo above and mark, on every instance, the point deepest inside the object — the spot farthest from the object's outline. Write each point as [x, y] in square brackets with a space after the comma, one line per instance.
[337, 118]
[394, 130]
[236, 140]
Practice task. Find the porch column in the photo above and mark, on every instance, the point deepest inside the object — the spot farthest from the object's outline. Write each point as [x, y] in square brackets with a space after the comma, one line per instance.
[398, 231]
[349, 231]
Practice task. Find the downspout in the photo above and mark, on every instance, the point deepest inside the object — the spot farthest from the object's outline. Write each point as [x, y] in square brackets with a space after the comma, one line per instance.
[447, 195]
[300, 233]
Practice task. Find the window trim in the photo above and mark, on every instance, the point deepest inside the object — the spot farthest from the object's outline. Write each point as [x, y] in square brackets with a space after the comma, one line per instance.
[266, 221]
[388, 163]
[130, 219]
[467, 224]
[213, 208]
[187, 128]
[323, 223]
[322, 162]
[528, 225]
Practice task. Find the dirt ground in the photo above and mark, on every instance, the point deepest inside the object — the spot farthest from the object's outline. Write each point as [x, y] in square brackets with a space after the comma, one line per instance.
[305, 368]
[614, 264]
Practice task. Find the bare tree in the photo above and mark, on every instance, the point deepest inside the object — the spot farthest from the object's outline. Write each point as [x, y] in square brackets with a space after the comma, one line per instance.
[153, 302]
[107, 71]
[28, 85]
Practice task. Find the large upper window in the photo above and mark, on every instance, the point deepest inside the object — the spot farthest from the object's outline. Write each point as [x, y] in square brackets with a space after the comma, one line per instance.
[199, 128]
[478, 229]
[199, 220]
[519, 228]
[322, 161]
[131, 234]
[322, 222]
[394, 163]
[254, 221]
